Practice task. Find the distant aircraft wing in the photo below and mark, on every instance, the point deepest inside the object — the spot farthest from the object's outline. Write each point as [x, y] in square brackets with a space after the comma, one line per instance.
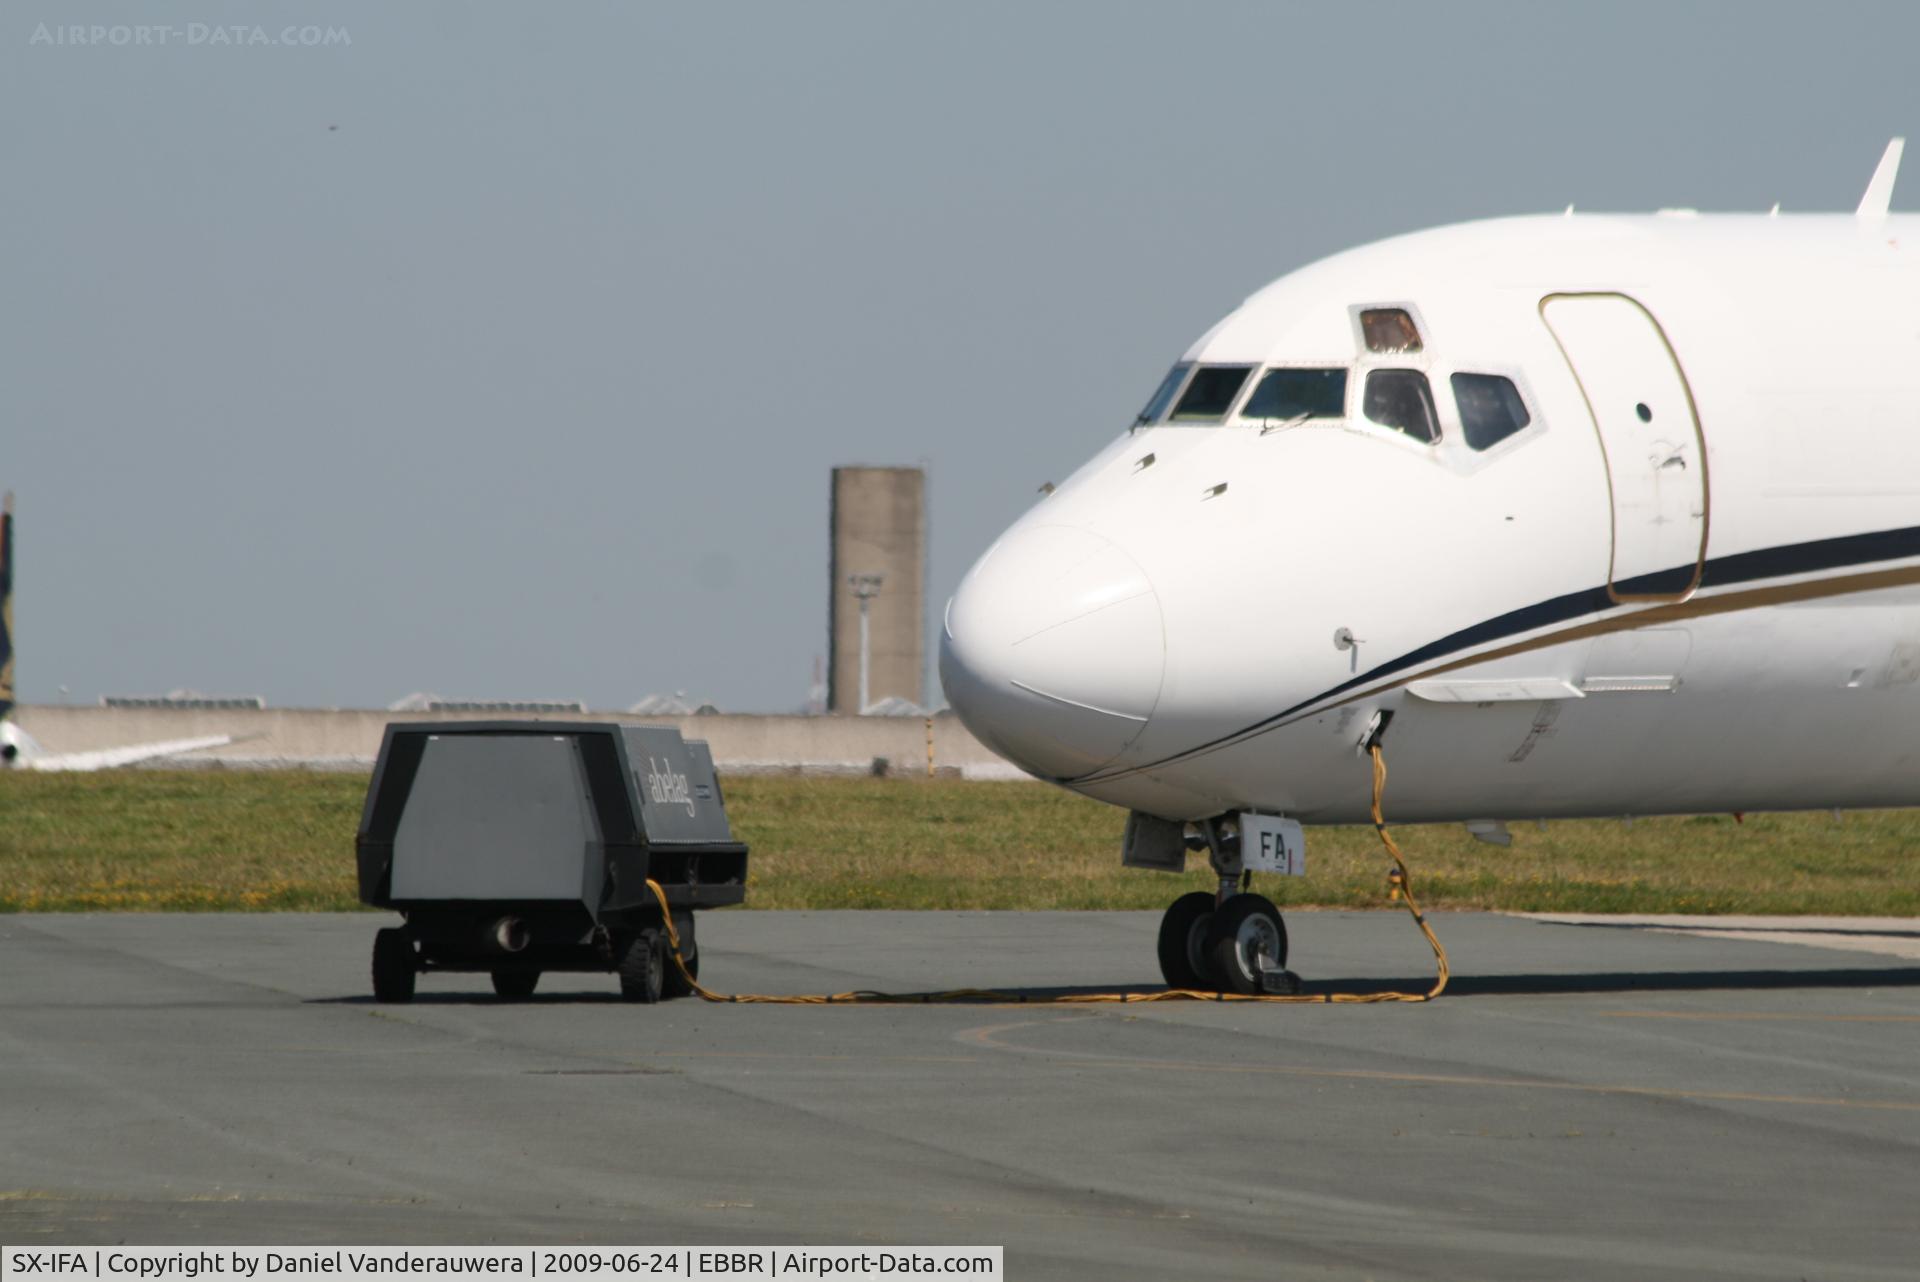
[108, 758]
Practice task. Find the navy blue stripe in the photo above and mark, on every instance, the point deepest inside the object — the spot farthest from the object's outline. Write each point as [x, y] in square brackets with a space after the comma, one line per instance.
[1669, 583]
[1741, 567]
[1806, 558]
[1560, 609]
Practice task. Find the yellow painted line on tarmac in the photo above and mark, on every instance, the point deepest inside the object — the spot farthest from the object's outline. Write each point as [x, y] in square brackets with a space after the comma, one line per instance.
[823, 1059]
[990, 1036]
[1759, 1015]
[185, 1199]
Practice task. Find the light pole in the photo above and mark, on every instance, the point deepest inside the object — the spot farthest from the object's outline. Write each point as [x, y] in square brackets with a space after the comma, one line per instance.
[866, 587]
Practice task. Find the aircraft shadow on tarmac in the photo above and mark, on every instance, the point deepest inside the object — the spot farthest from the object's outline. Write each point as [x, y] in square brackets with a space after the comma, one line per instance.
[1458, 986]
[426, 998]
[1591, 982]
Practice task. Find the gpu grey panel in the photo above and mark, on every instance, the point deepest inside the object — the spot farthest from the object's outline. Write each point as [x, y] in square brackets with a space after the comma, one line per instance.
[495, 817]
[679, 800]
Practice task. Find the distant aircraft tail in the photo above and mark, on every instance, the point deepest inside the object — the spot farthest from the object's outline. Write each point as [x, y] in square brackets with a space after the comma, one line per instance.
[6, 607]
[18, 749]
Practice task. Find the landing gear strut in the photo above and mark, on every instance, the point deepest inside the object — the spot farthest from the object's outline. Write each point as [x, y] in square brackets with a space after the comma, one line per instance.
[1231, 941]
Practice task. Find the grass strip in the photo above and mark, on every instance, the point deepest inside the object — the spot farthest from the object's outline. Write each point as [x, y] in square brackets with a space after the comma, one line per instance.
[154, 840]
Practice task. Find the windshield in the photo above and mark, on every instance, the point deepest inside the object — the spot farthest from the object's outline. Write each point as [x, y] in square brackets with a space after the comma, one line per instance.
[1210, 393]
[1299, 394]
[1164, 396]
[1401, 400]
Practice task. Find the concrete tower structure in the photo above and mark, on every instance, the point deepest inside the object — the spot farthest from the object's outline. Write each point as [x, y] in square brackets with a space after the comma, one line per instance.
[879, 527]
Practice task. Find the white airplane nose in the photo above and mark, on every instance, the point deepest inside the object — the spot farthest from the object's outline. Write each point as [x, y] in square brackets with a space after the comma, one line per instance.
[1054, 649]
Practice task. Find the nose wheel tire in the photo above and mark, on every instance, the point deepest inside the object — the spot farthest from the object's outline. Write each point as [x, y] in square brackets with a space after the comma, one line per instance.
[1184, 960]
[1245, 939]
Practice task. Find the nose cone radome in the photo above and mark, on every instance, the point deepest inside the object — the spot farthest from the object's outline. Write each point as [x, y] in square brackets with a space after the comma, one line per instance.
[1054, 650]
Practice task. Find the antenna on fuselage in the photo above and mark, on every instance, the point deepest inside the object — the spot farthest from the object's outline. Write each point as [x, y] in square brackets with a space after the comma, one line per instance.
[1879, 195]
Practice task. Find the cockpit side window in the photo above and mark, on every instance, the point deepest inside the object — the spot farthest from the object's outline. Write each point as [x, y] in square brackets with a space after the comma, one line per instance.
[1400, 399]
[1298, 395]
[1210, 393]
[1164, 396]
[1491, 409]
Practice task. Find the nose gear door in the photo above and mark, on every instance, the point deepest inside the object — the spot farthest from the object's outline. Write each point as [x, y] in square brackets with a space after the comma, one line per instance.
[1649, 430]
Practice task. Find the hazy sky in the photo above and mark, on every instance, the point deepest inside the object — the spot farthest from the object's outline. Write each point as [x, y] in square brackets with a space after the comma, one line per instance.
[504, 350]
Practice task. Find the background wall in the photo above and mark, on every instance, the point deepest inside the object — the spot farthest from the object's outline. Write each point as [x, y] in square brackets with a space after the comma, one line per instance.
[349, 739]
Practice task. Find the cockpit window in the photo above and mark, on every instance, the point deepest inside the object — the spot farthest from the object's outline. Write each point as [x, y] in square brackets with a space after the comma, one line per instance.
[1400, 399]
[1298, 394]
[1164, 396]
[1389, 329]
[1210, 393]
[1490, 408]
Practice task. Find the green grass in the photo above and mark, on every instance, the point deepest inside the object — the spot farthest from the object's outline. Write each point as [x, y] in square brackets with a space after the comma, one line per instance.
[167, 840]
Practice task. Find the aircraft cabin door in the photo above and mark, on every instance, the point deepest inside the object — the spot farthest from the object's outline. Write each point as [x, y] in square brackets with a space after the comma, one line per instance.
[1650, 433]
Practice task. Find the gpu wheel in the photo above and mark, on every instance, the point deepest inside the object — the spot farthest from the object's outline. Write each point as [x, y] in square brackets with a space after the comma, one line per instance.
[515, 985]
[394, 966]
[673, 983]
[643, 967]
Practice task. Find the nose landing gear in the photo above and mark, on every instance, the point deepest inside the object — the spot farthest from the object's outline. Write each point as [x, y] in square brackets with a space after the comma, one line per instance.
[1247, 946]
[1235, 946]
[1233, 941]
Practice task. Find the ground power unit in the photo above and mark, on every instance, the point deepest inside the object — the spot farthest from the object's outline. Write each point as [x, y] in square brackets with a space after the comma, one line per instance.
[520, 847]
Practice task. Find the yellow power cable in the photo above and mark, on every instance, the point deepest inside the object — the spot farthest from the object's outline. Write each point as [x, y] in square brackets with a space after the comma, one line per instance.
[1400, 880]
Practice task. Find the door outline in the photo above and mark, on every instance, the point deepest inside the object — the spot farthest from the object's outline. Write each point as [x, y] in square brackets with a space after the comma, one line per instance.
[1699, 436]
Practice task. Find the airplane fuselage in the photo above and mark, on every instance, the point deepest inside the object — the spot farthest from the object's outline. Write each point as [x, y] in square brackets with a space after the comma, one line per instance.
[1615, 515]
